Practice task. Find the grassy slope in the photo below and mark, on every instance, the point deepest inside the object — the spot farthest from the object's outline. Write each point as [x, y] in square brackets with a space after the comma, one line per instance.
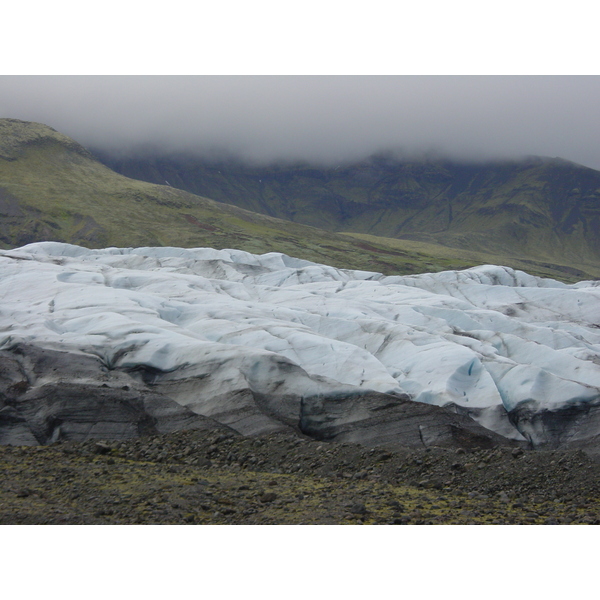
[437, 257]
[51, 188]
[541, 210]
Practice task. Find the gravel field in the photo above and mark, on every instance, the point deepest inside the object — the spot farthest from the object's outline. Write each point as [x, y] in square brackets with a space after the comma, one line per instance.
[211, 477]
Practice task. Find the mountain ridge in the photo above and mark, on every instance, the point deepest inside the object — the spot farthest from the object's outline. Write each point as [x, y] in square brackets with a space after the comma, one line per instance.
[547, 209]
[52, 188]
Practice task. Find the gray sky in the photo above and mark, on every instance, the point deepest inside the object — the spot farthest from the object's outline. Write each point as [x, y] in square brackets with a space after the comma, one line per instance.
[319, 118]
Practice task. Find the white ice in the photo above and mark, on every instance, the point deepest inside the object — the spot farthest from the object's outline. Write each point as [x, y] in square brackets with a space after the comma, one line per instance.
[480, 338]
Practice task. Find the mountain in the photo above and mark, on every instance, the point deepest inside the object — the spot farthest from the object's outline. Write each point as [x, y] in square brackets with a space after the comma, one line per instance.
[539, 209]
[122, 341]
[52, 188]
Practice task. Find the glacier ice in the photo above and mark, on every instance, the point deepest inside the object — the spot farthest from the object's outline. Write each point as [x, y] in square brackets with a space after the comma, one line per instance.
[208, 327]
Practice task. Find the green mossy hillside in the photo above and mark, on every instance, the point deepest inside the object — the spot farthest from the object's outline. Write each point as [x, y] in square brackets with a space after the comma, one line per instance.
[51, 188]
[538, 209]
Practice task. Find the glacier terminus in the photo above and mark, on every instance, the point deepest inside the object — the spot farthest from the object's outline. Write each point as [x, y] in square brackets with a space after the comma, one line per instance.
[259, 343]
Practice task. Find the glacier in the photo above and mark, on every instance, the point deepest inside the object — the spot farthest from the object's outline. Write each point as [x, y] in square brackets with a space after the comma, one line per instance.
[261, 342]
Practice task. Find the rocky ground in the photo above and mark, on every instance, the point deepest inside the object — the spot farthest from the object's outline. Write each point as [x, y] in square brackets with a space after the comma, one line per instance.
[211, 477]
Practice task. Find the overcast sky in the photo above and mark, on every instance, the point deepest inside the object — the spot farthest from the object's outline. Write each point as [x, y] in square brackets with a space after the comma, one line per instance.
[319, 118]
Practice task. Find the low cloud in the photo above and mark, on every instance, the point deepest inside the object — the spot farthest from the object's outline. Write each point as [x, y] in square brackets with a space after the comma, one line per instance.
[319, 119]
